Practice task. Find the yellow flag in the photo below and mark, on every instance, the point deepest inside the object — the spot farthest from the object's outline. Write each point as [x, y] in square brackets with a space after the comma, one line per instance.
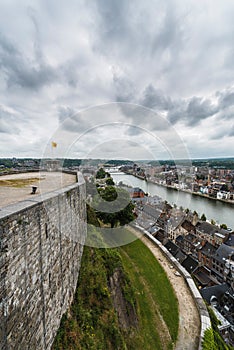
[53, 144]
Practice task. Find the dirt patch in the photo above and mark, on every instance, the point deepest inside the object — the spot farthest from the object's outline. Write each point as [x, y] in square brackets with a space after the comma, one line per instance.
[125, 310]
[18, 183]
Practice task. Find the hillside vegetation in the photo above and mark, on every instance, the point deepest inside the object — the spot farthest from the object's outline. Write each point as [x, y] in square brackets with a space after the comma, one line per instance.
[123, 301]
[123, 298]
[212, 339]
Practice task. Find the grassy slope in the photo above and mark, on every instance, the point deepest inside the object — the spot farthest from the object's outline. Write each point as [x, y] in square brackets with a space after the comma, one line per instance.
[92, 322]
[154, 296]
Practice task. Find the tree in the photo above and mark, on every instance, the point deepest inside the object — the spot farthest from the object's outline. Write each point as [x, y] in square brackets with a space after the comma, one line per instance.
[224, 226]
[203, 217]
[113, 206]
[101, 174]
[110, 181]
[109, 193]
[208, 342]
[213, 222]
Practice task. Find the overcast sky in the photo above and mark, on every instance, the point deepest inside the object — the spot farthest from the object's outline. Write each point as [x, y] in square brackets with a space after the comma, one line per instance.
[117, 79]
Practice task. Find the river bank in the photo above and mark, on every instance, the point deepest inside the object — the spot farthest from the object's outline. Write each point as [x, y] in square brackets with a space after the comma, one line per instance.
[219, 211]
[228, 201]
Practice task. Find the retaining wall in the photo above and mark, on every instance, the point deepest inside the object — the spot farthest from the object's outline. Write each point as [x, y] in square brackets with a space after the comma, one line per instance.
[41, 245]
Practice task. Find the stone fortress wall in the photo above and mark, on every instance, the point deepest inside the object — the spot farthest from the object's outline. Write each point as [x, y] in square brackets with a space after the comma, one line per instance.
[40, 254]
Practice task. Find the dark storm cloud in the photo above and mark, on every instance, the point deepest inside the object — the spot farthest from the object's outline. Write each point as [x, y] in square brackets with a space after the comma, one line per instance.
[198, 109]
[155, 99]
[223, 132]
[226, 114]
[169, 34]
[37, 40]
[8, 122]
[177, 112]
[19, 70]
[65, 112]
[69, 73]
[124, 89]
[191, 111]
[169, 56]
[219, 134]
[231, 132]
[226, 98]
[34, 72]
[114, 19]
[134, 131]
[72, 121]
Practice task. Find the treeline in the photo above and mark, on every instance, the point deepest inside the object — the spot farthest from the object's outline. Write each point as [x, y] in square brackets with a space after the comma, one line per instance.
[221, 163]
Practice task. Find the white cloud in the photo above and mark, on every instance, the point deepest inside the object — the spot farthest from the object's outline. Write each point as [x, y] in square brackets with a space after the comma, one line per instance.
[174, 57]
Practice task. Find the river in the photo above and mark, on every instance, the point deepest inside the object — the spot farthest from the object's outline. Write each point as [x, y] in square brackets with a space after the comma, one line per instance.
[219, 211]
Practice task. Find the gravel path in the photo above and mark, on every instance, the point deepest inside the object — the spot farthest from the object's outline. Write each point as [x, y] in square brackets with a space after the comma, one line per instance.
[189, 320]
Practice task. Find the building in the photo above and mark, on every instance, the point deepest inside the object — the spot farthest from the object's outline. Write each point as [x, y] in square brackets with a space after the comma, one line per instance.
[136, 192]
[205, 255]
[211, 233]
[174, 226]
[223, 264]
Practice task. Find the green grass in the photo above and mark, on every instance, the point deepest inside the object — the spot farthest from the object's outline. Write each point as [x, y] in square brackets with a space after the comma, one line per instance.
[18, 183]
[92, 321]
[154, 295]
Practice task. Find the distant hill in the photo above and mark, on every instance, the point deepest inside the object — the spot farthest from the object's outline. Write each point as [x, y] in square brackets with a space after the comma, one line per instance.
[225, 163]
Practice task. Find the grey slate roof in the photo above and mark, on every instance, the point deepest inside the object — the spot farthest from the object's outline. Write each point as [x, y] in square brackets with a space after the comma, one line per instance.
[206, 227]
[210, 229]
[190, 264]
[208, 249]
[174, 222]
[230, 240]
[151, 211]
[180, 256]
[179, 238]
[172, 248]
[218, 291]
[224, 252]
